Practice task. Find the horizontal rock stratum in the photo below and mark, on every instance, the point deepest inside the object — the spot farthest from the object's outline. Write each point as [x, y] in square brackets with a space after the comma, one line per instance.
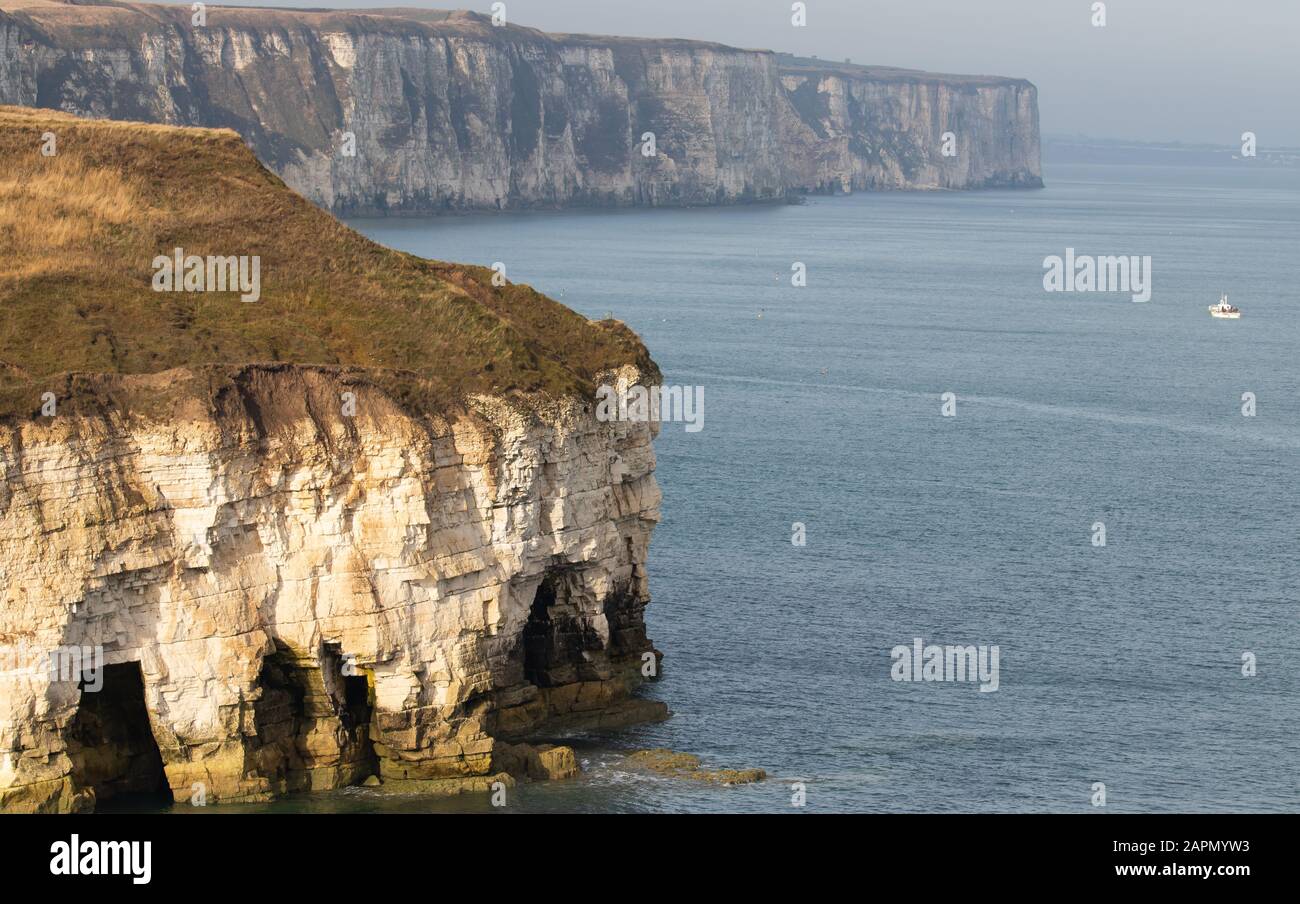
[367, 524]
[447, 111]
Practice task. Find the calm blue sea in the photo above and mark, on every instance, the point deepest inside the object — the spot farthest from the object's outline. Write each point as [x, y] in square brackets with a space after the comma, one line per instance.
[1119, 664]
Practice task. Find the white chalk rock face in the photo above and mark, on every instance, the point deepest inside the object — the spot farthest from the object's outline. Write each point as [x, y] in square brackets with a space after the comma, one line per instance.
[253, 592]
[424, 111]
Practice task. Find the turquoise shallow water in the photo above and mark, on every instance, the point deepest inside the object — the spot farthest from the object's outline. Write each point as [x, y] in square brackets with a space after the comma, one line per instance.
[1119, 664]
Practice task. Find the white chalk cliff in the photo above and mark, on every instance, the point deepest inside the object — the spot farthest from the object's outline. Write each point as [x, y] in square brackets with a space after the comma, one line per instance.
[250, 555]
[419, 110]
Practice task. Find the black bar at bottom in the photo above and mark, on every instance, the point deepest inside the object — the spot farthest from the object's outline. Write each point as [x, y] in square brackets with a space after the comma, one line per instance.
[337, 854]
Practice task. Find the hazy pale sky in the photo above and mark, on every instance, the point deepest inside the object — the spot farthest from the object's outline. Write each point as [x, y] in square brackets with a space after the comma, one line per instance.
[1179, 70]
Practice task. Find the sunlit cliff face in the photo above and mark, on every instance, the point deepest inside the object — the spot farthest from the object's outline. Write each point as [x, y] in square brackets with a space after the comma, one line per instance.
[412, 112]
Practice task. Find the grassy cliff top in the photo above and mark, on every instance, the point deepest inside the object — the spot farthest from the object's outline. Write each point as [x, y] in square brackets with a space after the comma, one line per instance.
[796, 65]
[115, 23]
[80, 231]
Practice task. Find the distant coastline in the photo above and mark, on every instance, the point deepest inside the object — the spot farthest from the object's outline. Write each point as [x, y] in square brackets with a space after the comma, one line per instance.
[1082, 149]
[406, 111]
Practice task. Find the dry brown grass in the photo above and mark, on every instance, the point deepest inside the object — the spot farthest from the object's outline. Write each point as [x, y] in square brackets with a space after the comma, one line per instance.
[51, 215]
[79, 232]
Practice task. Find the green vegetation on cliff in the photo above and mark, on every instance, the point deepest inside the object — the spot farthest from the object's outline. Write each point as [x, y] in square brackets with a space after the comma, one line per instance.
[80, 231]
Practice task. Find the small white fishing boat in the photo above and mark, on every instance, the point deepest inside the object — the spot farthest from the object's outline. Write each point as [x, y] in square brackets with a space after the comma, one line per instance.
[1224, 310]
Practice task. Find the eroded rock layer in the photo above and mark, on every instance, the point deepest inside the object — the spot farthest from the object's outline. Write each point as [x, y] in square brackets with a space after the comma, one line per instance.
[296, 595]
[417, 110]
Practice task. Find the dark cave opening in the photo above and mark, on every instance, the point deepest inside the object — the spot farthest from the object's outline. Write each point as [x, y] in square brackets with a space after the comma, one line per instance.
[111, 743]
[356, 700]
[539, 635]
[279, 713]
[358, 710]
[297, 696]
[560, 644]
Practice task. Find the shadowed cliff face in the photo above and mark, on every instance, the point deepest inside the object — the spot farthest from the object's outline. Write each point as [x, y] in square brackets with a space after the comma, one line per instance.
[449, 112]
